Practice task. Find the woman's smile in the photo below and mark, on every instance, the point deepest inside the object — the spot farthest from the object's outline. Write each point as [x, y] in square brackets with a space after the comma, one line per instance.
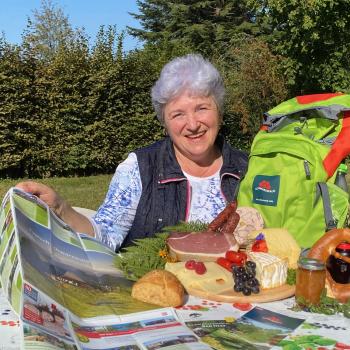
[193, 123]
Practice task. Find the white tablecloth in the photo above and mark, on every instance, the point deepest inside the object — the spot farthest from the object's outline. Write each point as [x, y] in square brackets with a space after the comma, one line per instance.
[335, 326]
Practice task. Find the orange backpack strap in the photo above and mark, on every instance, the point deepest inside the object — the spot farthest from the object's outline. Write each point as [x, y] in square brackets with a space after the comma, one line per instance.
[340, 148]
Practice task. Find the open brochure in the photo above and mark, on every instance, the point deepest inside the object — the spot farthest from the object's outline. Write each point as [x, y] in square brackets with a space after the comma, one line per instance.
[69, 295]
[67, 291]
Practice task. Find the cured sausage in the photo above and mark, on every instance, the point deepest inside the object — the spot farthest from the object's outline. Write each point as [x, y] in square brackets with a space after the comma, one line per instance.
[231, 223]
[325, 247]
[222, 217]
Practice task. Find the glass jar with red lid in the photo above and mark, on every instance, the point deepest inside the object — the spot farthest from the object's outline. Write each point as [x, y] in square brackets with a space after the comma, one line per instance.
[338, 264]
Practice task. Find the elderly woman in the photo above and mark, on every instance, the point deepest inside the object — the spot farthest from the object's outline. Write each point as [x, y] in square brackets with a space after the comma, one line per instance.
[190, 175]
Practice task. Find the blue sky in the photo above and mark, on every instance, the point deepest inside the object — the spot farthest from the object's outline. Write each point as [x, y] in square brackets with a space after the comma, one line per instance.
[89, 14]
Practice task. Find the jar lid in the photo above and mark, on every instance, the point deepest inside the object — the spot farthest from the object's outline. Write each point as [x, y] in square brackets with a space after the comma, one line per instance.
[311, 264]
[343, 245]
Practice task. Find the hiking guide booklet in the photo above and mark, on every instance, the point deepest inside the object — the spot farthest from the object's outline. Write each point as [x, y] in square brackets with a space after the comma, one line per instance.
[67, 291]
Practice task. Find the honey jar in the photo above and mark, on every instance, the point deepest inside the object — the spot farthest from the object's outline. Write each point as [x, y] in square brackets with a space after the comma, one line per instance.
[310, 281]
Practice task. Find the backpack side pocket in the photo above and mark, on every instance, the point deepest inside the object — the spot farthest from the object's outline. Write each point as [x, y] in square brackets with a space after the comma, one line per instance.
[329, 211]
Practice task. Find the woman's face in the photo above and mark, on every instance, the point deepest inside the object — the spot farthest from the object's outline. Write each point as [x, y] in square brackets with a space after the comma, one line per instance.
[193, 123]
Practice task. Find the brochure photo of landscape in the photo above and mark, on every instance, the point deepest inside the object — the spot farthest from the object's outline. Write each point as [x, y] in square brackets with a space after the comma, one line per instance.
[55, 259]
[265, 328]
[258, 329]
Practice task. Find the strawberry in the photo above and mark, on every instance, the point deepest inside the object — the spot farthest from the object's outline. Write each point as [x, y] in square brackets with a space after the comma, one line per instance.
[260, 246]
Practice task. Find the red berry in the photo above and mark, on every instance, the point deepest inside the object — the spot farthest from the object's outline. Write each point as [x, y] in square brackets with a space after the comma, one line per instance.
[190, 264]
[200, 268]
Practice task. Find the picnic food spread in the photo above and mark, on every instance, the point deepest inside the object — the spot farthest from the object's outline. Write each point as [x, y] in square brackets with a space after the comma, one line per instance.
[222, 262]
[235, 259]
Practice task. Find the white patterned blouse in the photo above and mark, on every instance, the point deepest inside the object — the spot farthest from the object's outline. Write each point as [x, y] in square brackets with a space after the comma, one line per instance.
[115, 216]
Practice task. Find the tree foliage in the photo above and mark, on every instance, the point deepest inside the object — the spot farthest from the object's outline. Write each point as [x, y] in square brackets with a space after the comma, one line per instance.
[80, 112]
[48, 30]
[200, 24]
[68, 108]
[314, 37]
[254, 82]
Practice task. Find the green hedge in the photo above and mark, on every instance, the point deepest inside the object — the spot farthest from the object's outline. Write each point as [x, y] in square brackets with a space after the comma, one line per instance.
[81, 112]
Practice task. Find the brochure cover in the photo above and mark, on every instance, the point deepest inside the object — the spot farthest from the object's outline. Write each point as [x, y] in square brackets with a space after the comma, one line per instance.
[51, 276]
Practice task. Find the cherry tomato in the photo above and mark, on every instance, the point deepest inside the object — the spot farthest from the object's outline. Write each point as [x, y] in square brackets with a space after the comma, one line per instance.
[227, 264]
[342, 346]
[232, 256]
[260, 246]
[242, 306]
[238, 258]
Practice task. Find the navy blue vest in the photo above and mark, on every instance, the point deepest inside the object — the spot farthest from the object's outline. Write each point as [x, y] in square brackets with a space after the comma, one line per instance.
[165, 190]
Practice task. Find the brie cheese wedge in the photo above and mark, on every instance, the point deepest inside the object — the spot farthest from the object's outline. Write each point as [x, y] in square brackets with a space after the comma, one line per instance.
[271, 271]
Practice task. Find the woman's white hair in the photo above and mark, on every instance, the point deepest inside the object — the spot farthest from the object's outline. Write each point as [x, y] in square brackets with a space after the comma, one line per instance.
[190, 72]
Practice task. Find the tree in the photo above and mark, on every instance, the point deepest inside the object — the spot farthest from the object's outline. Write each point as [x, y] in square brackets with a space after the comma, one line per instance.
[200, 24]
[47, 30]
[62, 87]
[254, 84]
[314, 36]
[19, 122]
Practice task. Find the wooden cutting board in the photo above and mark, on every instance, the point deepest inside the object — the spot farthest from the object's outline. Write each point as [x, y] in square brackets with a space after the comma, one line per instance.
[230, 296]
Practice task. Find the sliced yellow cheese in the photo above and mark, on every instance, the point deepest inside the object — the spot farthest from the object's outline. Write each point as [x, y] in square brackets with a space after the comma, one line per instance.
[215, 280]
[280, 243]
[271, 271]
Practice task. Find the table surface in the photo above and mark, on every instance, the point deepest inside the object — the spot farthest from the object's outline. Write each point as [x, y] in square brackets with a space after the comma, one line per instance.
[334, 326]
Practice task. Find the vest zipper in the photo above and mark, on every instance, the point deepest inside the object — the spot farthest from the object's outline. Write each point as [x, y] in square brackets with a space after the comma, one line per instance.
[188, 200]
[222, 176]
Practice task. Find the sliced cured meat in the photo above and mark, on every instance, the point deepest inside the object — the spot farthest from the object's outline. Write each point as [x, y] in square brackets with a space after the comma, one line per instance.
[200, 246]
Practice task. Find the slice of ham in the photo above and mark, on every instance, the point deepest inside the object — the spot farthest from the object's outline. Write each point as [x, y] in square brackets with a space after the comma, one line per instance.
[200, 246]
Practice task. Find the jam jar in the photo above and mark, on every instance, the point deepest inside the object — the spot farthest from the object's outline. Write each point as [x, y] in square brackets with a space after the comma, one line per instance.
[338, 264]
[310, 281]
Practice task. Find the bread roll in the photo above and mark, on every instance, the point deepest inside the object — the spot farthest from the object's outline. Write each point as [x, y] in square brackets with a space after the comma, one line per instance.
[159, 287]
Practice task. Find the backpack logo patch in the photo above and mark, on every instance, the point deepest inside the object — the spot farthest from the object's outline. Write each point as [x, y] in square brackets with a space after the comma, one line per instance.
[266, 189]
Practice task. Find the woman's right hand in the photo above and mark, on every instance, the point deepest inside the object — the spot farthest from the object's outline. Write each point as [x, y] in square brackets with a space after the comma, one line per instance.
[45, 193]
[61, 207]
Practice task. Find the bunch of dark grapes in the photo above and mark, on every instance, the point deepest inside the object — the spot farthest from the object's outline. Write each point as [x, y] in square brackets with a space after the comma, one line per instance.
[244, 278]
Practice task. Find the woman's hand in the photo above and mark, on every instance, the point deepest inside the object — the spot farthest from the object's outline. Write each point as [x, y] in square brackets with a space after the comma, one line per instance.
[46, 194]
[62, 208]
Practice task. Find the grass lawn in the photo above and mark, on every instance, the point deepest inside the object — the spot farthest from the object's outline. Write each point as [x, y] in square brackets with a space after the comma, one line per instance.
[86, 192]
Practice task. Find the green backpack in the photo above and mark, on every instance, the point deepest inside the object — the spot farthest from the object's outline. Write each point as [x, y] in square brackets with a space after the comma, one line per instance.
[292, 166]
